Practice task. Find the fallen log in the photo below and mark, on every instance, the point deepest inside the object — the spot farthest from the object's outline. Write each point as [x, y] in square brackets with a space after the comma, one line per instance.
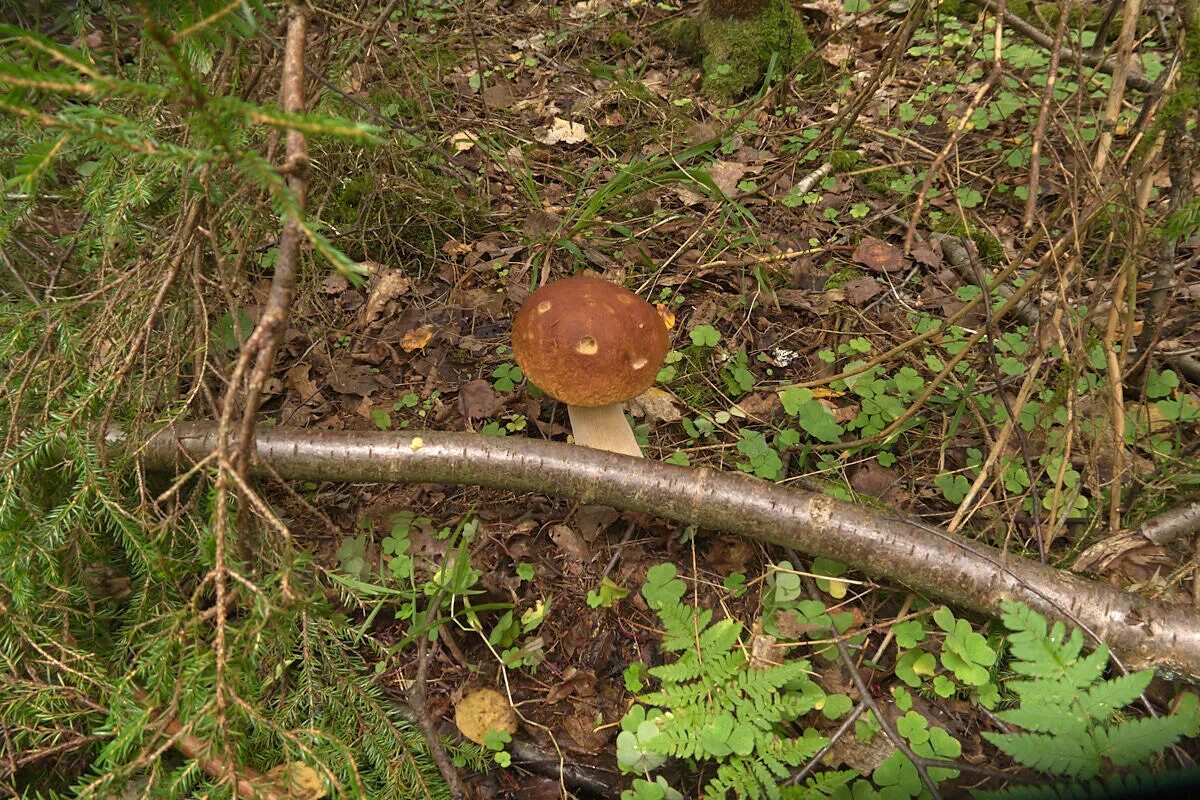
[925, 559]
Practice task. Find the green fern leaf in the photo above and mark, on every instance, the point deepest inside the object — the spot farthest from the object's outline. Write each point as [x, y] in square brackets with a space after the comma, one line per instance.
[1072, 755]
[1045, 718]
[1134, 741]
[1104, 698]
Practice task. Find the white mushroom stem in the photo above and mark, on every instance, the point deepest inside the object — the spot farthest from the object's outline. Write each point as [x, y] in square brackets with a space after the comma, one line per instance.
[604, 428]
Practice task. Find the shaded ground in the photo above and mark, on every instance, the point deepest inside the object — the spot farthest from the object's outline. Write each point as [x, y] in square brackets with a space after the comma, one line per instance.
[565, 137]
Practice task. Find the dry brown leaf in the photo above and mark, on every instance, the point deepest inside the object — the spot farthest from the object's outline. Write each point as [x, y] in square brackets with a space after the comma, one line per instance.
[878, 255]
[388, 284]
[300, 383]
[594, 520]
[860, 290]
[570, 543]
[453, 247]
[462, 141]
[477, 399]
[726, 174]
[836, 53]
[763, 650]
[416, 338]
[656, 405]
[335, 283]
[927, 254]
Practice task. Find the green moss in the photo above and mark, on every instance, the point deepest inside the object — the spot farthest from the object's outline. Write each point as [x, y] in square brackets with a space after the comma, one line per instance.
[620, 40]
[737, 51]
[991, 251]
[880, 181]
[845, 160]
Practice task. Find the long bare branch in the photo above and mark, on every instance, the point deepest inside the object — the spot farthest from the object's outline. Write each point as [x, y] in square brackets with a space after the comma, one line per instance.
[928, 560]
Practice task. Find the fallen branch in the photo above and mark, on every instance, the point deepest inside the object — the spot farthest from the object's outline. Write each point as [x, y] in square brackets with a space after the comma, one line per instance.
[928, 560]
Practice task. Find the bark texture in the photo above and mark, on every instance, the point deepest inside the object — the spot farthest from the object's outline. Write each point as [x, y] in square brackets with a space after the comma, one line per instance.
[925, 559]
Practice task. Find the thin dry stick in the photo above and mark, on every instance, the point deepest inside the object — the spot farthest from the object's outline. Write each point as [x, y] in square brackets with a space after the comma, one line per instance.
[267, 334]
[960, 516]
[1107, 66]
[260, 347]
[1120, 76]
[1116, 391]
[1039, 130]
[936, 167]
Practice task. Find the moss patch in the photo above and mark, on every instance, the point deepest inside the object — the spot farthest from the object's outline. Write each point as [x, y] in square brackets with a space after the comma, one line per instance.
[735, 52]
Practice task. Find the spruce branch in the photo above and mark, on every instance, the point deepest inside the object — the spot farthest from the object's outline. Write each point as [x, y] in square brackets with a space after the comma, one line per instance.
[908, 552]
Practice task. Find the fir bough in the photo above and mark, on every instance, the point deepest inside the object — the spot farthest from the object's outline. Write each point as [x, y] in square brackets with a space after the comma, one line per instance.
[107, 631]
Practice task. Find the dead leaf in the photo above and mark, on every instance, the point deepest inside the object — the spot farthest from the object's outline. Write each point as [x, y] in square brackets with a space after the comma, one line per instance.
[687, 196]
[296, 781]
[925, 253]
[581, 683]
[484, 710]
[582, 736]
[356, 379]
[730, 554]
[656, 405]
[726, 174]
[759, 405]
[860, 290]
[563, 132]
[462, 141]
[864, 758]
[477, 399]
[387, 285]
[878, 255]
[762, 648]
[874, 480]
[668, 316]
[416, 338]
[453, 247]
[499, 95]
[594, 520]
[836, 53]
[335, 283]
[300, 383]
[570, 543]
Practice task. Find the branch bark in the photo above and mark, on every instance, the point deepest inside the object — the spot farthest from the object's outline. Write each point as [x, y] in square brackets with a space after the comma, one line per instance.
[925, 559]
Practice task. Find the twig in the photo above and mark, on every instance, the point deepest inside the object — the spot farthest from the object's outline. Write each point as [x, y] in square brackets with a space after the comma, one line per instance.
[930, 561]
[1030, 31]
[865, 696]
[419, 704]
[1120, 76]
[1039, 130]
[263, 343]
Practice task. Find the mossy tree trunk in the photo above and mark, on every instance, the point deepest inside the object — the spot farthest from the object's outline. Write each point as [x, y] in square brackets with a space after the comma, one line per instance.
[736, 41]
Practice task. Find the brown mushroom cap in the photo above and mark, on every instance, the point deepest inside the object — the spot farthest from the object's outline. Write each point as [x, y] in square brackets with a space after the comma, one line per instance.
[587, 342]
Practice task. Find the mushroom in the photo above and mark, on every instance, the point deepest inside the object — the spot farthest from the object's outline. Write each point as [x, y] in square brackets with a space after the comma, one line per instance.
[592, 345]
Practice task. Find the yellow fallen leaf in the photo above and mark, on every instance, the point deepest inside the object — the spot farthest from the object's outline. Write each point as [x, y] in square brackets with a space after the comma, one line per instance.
[668, 316]
[463, 141]
[297, 781]
[416, 338]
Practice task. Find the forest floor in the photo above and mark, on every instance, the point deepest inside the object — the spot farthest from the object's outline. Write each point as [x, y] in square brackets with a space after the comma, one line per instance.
[834, 215]
[793, 269]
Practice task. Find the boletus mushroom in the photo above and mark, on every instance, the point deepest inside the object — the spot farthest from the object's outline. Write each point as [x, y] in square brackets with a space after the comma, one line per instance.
[592, 345]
